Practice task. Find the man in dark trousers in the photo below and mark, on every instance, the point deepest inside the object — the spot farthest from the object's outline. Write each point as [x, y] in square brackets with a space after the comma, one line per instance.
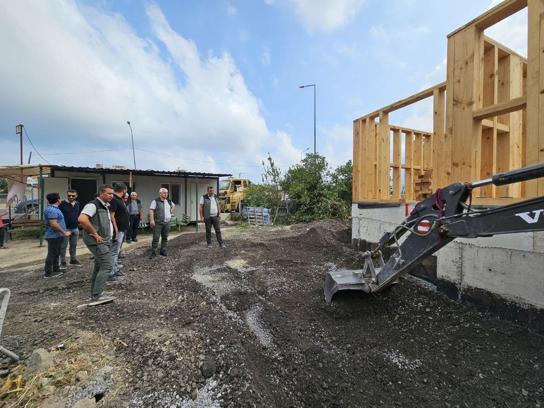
[70, 209]
[160, 213]
[209, 212]
[120, 214]
[95, 218]
[55, 232]
[135, 210]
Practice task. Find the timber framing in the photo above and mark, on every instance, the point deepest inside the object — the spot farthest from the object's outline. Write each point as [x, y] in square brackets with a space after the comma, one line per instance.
[488, 117]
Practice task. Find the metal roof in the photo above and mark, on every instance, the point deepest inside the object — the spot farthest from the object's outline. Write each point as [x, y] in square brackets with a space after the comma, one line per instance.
[34, 170]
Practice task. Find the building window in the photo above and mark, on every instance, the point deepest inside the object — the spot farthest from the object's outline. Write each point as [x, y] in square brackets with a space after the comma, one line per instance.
[174, 191]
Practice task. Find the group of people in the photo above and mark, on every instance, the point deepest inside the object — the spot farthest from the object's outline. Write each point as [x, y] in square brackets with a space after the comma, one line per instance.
[108, 221]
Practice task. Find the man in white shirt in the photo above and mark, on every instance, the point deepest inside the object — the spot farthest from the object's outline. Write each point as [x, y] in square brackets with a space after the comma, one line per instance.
[160, 213]
[95, 218]
[209, 214]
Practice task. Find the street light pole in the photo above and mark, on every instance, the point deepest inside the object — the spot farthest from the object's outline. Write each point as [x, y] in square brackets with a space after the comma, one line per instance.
[132, 138]
[315, 91]
[19, 130]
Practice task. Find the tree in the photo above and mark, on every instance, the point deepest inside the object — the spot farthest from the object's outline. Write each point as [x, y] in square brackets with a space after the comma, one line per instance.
[310, 185]
[341, 179]
[269, 193]
[3, 185]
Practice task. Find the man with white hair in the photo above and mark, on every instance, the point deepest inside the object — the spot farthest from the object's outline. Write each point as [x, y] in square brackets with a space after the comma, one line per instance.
[160, 212]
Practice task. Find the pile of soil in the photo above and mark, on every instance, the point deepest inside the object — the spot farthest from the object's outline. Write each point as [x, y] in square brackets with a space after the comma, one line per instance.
[248, 326]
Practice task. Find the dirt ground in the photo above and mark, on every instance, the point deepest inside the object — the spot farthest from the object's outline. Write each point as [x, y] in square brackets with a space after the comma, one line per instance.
[248, 326]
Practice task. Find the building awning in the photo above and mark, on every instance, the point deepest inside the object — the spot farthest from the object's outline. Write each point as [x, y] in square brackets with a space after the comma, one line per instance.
[48, 169]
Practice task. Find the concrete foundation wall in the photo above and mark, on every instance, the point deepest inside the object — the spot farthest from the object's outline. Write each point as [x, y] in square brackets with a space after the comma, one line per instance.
[510, 266]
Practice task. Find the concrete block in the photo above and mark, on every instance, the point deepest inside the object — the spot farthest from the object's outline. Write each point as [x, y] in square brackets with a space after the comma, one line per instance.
[538, 242]
[514, 275]
[520, 242]
[450, 263]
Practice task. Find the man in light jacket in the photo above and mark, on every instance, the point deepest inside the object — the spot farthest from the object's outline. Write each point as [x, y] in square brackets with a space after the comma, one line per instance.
[160, 213]
[209, 213]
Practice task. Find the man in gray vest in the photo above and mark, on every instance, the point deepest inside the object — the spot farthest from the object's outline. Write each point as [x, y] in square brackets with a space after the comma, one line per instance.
[95, 218]
[160, 212]
[209, 212]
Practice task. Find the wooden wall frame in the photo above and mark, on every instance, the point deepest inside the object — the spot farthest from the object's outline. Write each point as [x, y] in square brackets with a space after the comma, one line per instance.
[488, 117]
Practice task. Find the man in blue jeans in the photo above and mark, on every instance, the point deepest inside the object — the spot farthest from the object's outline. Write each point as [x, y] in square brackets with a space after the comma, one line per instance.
[55, 231]
[120, 219]
[70, 209]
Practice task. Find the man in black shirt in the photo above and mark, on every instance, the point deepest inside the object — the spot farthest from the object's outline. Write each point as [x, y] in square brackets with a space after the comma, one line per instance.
[70, 209]
[120, 215]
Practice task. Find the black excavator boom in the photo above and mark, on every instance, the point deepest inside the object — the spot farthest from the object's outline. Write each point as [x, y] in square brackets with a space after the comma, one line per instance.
[435, 222]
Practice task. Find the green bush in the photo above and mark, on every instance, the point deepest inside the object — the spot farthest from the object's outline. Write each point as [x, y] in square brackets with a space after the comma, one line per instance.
[311, 189]
[257, 195]
[318, 193]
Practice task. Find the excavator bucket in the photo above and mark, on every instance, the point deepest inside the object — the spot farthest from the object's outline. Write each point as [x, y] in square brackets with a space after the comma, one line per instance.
[344, 279]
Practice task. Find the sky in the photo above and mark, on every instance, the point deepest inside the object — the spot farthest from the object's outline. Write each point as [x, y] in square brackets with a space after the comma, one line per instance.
[213, 85]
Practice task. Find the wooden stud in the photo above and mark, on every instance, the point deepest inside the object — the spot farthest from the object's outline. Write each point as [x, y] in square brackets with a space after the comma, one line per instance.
[409, 166]
[383, 157]
[534, 152]
[356, 179]
[397, 160]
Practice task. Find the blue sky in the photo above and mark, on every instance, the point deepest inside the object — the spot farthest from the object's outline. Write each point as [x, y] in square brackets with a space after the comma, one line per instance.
[214, 85]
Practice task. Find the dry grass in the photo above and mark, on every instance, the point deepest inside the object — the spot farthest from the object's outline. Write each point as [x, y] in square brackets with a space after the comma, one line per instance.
[84, 352]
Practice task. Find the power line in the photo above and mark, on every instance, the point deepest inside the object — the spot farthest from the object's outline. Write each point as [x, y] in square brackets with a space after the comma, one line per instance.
[36, 150]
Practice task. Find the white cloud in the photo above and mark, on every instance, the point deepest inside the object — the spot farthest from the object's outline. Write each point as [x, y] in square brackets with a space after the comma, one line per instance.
[387, 35]
[74, 76]
[283, 152]
[326, 15]
[511, 32]
[336, 144]
[417, 116]
[437, 75]
[266, 58]
[231, 10]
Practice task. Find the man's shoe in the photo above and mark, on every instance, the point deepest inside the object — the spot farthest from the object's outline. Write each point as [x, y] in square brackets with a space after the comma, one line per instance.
[222, 245]
[163, 253]
[134, 240]
[100, 299]
[128, 241]
[153, 255]
[63, 265]
[114, 278]
[55, 274]
[120, 266]
[209, 245]
[76, 262]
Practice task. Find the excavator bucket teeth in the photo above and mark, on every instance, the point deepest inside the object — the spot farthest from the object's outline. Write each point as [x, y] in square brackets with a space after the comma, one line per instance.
[344, 280]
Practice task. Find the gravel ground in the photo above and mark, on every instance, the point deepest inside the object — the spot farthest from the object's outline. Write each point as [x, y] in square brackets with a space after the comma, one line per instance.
[248, 326]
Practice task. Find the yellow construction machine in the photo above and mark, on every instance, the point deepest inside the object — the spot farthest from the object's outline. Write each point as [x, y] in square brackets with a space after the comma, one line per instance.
[232, 195]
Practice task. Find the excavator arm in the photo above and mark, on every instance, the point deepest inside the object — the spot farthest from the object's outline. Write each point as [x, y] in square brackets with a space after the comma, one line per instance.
[435, 222]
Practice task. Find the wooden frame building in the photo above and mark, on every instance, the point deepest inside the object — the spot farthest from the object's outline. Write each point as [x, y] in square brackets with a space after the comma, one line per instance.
[488, 118]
